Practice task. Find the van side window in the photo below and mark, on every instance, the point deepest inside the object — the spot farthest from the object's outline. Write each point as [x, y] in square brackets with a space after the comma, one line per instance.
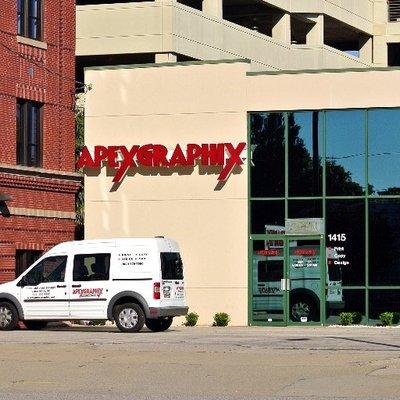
[51, 269]
[91, 267]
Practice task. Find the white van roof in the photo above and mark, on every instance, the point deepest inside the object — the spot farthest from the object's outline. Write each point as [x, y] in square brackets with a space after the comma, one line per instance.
[161, 243]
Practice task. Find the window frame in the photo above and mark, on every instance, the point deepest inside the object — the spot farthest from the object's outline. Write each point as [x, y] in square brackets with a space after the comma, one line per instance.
[23, 115]
[26, 18]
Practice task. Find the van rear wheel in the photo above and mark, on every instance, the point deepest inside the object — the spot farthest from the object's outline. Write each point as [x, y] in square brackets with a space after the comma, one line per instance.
[129, 317]
[159, 324]
[8, 316]
[35, 325]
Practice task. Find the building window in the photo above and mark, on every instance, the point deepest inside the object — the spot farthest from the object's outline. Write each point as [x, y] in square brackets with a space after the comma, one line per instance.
[29, 133]
[29, 18]
[24, 259]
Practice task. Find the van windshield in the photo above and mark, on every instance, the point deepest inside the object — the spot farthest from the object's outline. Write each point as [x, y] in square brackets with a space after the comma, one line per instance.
[171, 266]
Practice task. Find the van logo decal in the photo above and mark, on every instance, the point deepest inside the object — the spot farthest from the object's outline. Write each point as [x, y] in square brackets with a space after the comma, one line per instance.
[88, 292]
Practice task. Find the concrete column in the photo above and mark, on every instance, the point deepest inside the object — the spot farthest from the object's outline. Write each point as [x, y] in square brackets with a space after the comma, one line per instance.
[281, 29]
[213, 7]
[315, 36]
[366, 49]
[165, 58]
[380, 51]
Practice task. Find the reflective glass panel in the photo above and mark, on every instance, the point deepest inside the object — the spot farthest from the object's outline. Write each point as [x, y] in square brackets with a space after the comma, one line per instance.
[267, 216]
[267, 135]
[384, 152]
[345, 153]
[305, 148]
[345, 239]
[347, 300]
[381, 301]
[384, 242]
[305, 209]
[267, 269]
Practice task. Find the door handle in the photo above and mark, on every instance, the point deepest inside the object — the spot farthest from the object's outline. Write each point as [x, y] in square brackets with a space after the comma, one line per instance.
[61, 286]
[76, 285]
[283, 284]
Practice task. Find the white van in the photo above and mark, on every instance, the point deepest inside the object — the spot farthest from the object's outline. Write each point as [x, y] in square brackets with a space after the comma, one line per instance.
[130, 281]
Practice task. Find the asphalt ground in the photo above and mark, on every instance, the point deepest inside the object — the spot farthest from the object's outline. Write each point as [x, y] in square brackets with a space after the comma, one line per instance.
[201, 363]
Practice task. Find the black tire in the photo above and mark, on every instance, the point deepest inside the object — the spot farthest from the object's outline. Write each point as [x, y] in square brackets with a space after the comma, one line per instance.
[303, 306]
[8, 316]
[159, 324]
[35, 325]
[129, 317]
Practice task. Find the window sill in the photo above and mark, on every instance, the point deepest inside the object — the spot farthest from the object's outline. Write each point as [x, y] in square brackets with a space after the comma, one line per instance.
[32, 42]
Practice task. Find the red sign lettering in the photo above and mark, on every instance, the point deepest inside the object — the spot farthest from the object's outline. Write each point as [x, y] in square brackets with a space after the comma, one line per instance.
[121, 158]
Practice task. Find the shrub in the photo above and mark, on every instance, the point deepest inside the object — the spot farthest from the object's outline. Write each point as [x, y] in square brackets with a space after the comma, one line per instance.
[191, 319]
[221, 319]
[396, 318]
[346, 318]
[357, 317]
[386, 318]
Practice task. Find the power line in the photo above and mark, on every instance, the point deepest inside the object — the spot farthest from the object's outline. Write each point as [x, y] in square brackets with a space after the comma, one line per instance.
[40, 65]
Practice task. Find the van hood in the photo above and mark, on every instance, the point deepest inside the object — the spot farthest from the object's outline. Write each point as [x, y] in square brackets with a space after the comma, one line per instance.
[5, 287]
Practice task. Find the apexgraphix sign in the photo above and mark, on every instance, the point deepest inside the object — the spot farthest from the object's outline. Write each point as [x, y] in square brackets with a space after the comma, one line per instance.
[122, 159]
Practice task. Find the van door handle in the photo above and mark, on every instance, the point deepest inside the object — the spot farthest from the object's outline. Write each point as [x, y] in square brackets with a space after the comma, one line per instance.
[76, 285]
[61, 286]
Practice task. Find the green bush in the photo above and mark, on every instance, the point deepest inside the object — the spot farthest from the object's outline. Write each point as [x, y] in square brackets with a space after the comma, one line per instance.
[221, 319]
[396, 318]
[346, 318]
[357, 317]
[386, 318]
[191, 319]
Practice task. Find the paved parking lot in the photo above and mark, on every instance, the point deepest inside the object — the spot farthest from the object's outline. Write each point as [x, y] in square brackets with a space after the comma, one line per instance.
[201, 363]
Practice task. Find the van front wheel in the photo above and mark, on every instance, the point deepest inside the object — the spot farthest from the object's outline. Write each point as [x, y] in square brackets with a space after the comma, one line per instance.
[8, 317]
[129, 317]
[159, 324]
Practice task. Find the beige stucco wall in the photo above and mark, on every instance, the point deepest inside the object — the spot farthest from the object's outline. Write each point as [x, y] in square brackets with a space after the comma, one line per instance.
[182, 105]
[200, 104]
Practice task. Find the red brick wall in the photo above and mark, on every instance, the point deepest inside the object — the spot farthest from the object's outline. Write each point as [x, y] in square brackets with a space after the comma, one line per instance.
[47, 76]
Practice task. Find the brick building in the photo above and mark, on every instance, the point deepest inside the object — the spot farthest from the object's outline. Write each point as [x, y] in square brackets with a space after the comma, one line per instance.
[38, 182]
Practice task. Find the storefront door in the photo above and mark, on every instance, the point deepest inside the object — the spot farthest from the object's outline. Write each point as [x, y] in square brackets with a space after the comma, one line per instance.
[287, 280]
[305, 283]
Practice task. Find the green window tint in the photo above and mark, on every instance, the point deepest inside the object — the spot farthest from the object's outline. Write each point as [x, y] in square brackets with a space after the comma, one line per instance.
[345, 153]
[384, 151]
[267, 146]
[305, 149]
[267, 216]
[318, 164]
[305, 209]
[381, 301]
[384, 242]
[267, 273]
[345, 300]
[345, 234]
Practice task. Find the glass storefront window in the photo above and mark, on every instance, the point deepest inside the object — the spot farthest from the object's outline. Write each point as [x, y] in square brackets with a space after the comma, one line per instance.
[384, 242]
[305, 209]
[384, 151]
[305, 149]
[346, 300]
[267, 141]
[345, 234]
[267, 272]
[381, 301]
[345, 153]
[267, 216]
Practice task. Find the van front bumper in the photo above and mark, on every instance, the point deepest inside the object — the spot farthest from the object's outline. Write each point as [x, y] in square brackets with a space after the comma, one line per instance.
[156, 312]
